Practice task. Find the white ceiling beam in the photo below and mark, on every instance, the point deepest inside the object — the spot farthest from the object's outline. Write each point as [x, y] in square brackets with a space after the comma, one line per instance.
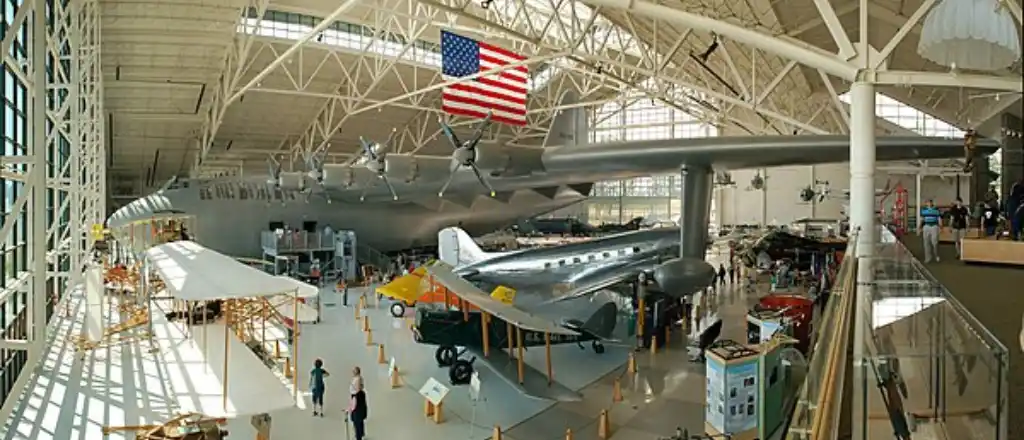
[903, 31]
[320, 27]
[802, 53]
[1014, 9]
[835, 28]
[775, 82]
[950, 80]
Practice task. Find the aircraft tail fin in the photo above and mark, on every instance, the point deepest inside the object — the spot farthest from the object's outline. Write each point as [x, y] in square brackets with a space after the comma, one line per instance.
[456, 248]
[506, 295]
[406, 287]
[569, 127]
[602, 323]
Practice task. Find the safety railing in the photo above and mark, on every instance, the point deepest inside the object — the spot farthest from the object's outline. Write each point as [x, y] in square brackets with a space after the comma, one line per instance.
[820, 396]
[296, 241]
[368, 255]
[925, 364]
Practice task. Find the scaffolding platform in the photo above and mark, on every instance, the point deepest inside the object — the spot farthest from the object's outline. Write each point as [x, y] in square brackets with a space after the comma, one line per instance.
[277, 243]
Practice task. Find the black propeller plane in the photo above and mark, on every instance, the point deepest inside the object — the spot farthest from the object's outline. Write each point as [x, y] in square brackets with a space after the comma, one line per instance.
[486, 327]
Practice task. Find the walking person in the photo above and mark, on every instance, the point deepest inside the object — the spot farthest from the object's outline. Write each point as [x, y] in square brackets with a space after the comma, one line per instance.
[317, 386]
[721, 274]
[930, 223]
[732, 273]
[357, 409]
[958, 221]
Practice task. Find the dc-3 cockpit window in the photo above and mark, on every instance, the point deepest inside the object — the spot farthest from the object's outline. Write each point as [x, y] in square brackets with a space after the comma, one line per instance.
[561, 262]
[204, 194]
[591, 257]
[576, 260]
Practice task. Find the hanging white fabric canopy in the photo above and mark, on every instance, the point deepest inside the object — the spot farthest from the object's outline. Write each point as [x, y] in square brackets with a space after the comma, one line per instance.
[970, 34]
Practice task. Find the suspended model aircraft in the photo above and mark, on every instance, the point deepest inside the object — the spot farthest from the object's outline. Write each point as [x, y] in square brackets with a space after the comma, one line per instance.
[397, 201]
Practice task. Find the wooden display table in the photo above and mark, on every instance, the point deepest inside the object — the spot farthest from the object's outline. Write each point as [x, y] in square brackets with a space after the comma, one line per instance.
[946, 234]
[985, 250]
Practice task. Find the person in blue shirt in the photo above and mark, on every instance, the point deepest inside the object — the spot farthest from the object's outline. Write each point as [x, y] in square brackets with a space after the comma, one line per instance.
[930, 224]
[317, 386]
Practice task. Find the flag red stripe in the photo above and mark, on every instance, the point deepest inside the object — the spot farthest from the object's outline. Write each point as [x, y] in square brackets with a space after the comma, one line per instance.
[468, 88]
[481, 115]
[500, 50]
[501, 62]
[501, 85]
[486, 104]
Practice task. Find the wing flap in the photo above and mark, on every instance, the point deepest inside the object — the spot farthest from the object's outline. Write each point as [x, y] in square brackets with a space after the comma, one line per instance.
[472, 294]
[535, 384]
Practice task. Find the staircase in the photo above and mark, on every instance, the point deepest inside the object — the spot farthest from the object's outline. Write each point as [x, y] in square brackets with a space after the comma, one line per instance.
[367, 255]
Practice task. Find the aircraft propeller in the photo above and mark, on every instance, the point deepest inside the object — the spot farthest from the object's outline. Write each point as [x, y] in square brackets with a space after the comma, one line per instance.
[464, 154]
[275, 171]
[315, 164]
[275, 177]
[376, 162]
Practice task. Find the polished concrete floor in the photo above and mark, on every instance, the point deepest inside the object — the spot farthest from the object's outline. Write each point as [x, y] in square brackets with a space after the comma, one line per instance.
[72, 399]
[993, 294]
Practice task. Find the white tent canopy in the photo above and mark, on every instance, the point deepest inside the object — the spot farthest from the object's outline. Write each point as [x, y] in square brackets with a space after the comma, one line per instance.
[193, 272]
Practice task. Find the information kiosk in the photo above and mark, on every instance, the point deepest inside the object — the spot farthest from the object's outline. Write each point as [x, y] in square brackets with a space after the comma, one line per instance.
[745, 388]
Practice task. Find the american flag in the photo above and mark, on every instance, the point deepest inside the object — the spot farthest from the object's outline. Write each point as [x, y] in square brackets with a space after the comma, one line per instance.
[502, 94]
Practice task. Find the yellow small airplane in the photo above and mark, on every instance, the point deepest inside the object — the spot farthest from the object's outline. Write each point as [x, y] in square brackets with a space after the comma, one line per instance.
[407, 290]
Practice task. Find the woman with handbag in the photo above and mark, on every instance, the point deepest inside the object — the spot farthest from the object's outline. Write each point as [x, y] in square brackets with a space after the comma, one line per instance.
[357, 409]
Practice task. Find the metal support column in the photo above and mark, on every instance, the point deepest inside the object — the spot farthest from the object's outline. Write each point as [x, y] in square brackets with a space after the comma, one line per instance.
[38, 145]
[695, 187]
[862, 220]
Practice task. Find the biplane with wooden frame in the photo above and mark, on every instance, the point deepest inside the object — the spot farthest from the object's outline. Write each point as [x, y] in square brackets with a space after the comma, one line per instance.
[190, 426]
[486, 327]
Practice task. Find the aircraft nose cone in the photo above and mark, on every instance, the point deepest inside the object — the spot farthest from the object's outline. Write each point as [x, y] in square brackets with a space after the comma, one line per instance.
[684, 276]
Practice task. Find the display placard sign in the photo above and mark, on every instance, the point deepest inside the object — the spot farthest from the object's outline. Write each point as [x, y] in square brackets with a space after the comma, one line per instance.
[434, 391]
[474, 386]
[262, 423]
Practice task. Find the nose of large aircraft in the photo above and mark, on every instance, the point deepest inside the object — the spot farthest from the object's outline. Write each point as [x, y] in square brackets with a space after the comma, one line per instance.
[141, 209]
[684, 276]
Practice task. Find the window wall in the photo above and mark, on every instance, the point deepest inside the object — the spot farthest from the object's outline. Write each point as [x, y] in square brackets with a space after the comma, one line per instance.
[15, 128]
[654, 197]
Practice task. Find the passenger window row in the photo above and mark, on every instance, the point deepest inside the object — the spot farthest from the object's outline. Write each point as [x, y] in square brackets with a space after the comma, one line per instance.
[592, 257]
[244, 191]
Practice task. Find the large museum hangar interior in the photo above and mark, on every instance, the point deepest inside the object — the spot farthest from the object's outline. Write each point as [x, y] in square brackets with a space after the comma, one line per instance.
[107, 101]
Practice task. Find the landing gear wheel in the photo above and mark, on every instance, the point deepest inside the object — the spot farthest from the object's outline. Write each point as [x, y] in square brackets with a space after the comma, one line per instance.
[397, 309]
[598, 347]
[460, 372]
[445, 356]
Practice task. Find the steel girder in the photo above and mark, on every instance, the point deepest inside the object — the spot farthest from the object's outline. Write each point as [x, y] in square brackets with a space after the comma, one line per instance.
[65, 116]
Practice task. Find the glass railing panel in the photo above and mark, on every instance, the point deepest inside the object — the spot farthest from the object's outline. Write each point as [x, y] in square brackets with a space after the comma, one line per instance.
[827, 345]
[929, 368]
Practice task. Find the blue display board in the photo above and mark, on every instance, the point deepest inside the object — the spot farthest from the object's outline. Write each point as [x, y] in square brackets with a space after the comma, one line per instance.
[741, 403]
[714, 403]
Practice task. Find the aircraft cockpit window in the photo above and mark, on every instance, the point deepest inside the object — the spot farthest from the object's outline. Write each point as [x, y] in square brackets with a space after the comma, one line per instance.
[576, 260]
[622, 252]
[204, 194]
[561, 263]
[547, 265]
[636, 249]
[591, 257]
[606, 255]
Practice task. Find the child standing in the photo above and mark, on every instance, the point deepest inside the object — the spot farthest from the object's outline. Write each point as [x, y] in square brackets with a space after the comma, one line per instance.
[317, 386]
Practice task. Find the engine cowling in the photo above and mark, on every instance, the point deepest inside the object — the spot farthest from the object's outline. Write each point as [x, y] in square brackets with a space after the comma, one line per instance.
[681, 277]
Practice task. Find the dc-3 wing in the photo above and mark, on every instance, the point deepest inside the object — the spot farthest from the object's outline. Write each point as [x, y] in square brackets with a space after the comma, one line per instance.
[510, 366]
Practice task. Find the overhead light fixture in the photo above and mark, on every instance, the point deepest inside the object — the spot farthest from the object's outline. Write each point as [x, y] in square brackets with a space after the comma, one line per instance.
[970, 34]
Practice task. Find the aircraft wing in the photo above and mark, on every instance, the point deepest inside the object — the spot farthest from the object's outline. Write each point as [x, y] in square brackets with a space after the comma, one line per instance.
[535, 383]
[467, 291]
